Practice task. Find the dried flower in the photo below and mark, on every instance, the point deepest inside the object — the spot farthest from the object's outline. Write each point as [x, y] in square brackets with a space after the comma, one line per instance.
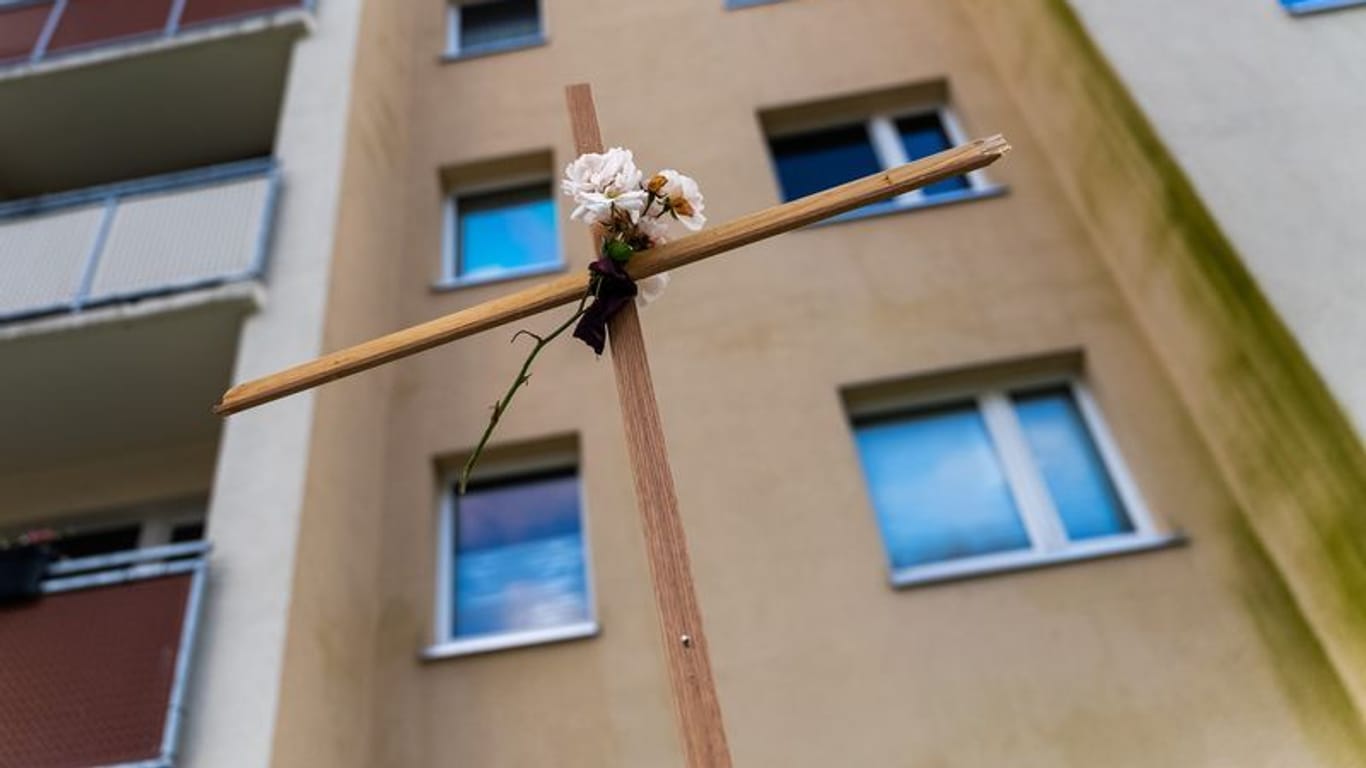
[681, 195]
[604, 184]
[629, 216]
[655, 229]
[650, 288]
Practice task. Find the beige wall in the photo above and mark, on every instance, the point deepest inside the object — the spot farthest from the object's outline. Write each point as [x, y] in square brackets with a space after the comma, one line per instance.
[327, 711]
[1194, 656]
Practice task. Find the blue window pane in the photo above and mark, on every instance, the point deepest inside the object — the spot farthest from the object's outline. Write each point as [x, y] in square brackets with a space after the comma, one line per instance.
[519, 560]
[1071, 465]
[812, 162]
[506, 231]
[924, 135]
[938, 488]
[1304, 6]
[491, 24]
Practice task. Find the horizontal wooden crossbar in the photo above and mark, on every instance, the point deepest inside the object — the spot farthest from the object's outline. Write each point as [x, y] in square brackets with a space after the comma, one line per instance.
[710, 242]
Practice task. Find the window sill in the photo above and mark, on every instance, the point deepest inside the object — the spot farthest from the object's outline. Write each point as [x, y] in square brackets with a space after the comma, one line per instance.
[1009, 562]
[891, 207]
[735, 5]
[456, 283]
[1318, 6]
[492, 49]
[471, 646]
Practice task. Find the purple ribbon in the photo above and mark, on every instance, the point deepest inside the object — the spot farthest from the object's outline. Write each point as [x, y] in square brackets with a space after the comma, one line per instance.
[614, 289]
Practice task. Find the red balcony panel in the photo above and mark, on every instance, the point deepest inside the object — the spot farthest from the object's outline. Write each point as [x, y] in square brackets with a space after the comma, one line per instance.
[91, 22]
[20, 28]
[198, 11]
[86, 675]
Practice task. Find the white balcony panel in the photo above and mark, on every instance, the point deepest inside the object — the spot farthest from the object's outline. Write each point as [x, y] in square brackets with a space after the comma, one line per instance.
[43, 257]
[179, 238]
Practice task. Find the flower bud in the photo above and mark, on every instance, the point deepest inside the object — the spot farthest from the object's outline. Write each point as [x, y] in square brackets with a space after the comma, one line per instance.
[617, 250]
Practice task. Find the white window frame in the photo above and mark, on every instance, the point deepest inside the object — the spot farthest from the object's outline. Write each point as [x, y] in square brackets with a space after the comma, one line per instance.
[891, 152]
[156, 531]
[1044, 526]
[157, 527]
[453, 49]
[450, 276]
[444, 644]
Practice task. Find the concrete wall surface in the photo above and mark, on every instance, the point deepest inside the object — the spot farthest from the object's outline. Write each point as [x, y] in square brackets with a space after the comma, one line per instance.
[1260, 108]
[259, 488]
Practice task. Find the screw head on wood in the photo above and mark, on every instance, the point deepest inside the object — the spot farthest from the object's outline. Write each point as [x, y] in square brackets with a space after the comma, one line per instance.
[686, 640]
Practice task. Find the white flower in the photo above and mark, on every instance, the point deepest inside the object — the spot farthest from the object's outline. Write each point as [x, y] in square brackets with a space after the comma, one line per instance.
[597, 207]
[650, 288]
[656, 228]
[604, 172]
[602, 182]
[683, 196]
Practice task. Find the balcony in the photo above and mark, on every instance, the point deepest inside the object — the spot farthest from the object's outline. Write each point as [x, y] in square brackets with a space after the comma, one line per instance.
[69, 252]
[123, 305]
[94, 91]
[93, 672]
[42, 31]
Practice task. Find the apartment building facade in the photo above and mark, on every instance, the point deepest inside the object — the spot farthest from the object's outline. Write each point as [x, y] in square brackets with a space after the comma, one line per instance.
[1033, 467]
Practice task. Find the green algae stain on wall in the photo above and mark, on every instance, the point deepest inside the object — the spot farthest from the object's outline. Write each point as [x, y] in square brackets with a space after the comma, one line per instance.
[1304, 671]
[1284, 446]
[1292, 438]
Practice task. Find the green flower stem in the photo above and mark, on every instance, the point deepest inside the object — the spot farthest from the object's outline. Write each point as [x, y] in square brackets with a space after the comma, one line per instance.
[523, 377]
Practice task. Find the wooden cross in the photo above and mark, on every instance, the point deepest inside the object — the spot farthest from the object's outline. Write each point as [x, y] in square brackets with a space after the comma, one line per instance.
[685, 644]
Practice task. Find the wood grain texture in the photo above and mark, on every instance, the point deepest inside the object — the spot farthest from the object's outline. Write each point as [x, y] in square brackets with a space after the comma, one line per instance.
[696, 704]
[709, 242]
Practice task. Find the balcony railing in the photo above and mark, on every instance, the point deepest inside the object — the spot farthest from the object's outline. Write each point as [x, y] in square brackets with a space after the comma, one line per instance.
[94, 671]
[67, 252]
[33, 31]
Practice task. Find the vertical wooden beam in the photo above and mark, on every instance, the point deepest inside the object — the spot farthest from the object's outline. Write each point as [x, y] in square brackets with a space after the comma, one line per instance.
[680, 620]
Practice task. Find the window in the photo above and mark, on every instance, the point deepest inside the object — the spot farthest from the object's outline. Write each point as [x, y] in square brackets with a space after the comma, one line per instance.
[997, 480]
[813, 160]
[478, 27]
[160, 524]
[513, 565]
[1299, 7]
[100, 541]
[501, 234]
